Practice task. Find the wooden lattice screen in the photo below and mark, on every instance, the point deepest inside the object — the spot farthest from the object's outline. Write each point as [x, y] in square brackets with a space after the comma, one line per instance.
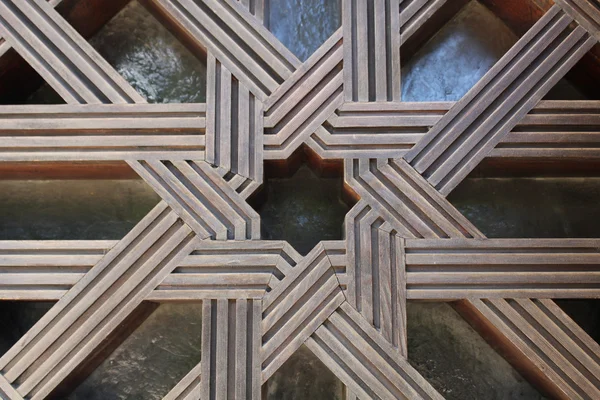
[260, 299]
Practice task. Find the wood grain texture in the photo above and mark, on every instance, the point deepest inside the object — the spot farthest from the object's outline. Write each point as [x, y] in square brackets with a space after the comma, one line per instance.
[371, 50]
[542, 341]
[235, 37]
[105, 132]
[502, 268]
[297, 307]
[585, 12]
[476, 123]
[364, 360]
[96, 305]
[202, 198]
[73, 69]
[305, 100]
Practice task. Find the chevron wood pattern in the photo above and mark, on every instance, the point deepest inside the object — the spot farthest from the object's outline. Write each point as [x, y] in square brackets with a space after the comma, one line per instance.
[262, 300]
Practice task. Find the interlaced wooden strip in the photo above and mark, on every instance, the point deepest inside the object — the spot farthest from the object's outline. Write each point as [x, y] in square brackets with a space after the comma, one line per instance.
[540, 338]
[97, 304]
[237, 39]
[371, 50]
[304, 101]
[202, 199]
[261, 300]
[585, 12]
[505, 268]
[234, 124]
[60, 55]
[364, 361]
[102, 132]
[473, 127]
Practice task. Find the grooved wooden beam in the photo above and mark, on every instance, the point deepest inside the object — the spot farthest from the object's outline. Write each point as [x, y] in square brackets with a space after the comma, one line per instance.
[585, 12]
[202, 198]
[102, 132]
[502, 268]
[187, 388]
[411, 207]
[77, 324]
[75, 70]
[542, 341]
[47, 270]
[371, 50]
[414, 14]
[305, 100]
[230, 366]
[487, 113]
[234, 133]
[258, 8]
[235, 37]
[376, 274]
[230, 270]
[297, 307]
[364, 360]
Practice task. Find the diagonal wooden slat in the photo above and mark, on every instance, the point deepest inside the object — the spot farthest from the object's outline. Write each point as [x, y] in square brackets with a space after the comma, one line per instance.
[585, 12]
[97, 304]
[364, 361]
[235, 37]
[305, 100]
[414, 14]
[371, 50]
[473, 127]
[295, 309]
[502, 268]
[60, 55]
[102, 132]
[202, 198]
[543, 342]
[189, 387]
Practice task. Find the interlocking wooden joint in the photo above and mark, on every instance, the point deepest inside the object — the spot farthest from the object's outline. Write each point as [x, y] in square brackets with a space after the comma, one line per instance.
[261, 300]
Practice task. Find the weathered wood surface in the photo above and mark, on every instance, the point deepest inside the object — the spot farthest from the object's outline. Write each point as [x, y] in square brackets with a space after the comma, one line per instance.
[346, 300]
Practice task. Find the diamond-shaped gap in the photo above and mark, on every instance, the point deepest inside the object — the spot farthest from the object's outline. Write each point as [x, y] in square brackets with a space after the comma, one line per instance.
[303, 201]
[34, 208]
[150, 58]
[456, 360]
[456, 58]
[304, 25]
[304, 376]
[150, 361]
[21, 84]
[523, 207]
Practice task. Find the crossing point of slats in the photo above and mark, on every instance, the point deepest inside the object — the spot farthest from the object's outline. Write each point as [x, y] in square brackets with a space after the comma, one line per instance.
[234, 131]
[235, 37]
[377, 285]
[297, 307]
[305, 100]
[585, 12]
[487, 113]
[371, 50]
[231, 335]
[364, 361]
[102, 132]
[97, 304]
[60, 55]
[405, 200]
[201, 198]
[502, 268]
[229, 269]
[543, 341]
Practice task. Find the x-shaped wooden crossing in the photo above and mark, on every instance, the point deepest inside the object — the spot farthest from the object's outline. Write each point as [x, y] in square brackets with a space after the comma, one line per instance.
[261, 300]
